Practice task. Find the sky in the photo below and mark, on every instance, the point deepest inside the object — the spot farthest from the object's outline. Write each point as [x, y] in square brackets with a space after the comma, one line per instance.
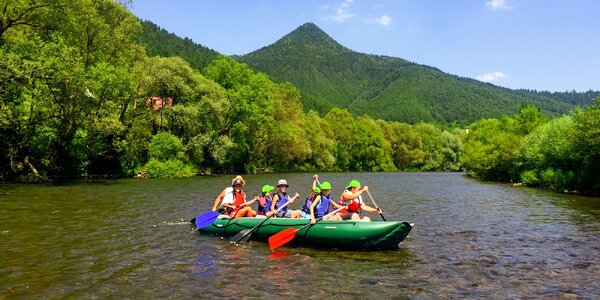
[550, 45]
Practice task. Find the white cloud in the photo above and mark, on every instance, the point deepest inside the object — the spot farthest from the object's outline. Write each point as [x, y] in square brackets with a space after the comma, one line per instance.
[384, 20]
[342, 11]
[498, 4]
[490, 77]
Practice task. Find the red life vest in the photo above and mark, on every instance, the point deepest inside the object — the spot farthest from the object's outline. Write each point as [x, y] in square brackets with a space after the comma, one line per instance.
[353, 205]
[238, 200]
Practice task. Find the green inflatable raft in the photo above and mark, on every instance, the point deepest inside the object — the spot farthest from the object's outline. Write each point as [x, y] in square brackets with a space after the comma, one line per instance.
[351, 235]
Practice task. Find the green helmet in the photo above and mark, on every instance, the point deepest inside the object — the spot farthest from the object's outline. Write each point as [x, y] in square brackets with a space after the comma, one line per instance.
[353, 183]
[267, 188]
[325, 185]
[317, 190]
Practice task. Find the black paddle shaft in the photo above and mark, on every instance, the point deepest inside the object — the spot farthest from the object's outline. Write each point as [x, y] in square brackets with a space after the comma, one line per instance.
[235, 239]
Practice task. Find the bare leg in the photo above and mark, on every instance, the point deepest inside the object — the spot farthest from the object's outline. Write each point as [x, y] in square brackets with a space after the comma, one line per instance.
[296, 214]
[243, 212]
[333, 217]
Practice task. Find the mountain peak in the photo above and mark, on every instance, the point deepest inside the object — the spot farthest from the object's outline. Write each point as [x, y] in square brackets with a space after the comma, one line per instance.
[310, 28]
[309, 34]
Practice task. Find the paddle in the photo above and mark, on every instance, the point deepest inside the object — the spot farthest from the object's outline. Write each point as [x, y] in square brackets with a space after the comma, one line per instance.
[317, 179]
[283, 237]
[244, 235]
[375, 204]
[205, 219]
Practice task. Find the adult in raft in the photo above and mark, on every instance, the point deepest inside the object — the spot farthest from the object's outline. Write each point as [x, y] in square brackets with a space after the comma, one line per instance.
[352, 198]
[280, 198]
[232, 200]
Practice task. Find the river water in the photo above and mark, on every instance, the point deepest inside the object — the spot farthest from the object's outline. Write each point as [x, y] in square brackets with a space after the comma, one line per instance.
[132, 239]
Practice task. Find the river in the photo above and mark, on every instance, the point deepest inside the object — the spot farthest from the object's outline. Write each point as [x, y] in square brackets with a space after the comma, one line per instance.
[132, 239]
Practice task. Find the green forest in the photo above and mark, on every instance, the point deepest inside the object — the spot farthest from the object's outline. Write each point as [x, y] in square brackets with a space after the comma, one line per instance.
[391, 88]
[84, 92]
[561, 153]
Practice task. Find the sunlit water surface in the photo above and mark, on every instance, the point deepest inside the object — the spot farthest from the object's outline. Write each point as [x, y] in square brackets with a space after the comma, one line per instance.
[132, 239]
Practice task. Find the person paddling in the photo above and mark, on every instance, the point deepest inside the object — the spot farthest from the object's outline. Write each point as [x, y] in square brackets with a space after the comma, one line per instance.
[315, 191]
[264, 201]
[320, 205]
[232, 200]
[280, 199]
[352, 198]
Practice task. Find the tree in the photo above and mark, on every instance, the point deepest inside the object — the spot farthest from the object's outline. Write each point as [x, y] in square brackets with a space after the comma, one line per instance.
[28, 14]
[344, 132]
[548, 155]
[490, 152]
[587, 137]
[167, 158]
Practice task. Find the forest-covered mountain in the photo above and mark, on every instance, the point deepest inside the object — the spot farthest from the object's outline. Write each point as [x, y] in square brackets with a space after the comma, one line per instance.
[159, 42]
[331, 75]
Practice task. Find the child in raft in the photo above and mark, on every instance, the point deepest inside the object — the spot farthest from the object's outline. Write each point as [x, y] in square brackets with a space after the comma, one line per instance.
[280, 199]
[265, 200]
[318, 202]
[304, 212]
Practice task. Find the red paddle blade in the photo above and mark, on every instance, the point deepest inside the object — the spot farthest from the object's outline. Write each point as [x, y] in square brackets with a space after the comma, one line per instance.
[281, 238]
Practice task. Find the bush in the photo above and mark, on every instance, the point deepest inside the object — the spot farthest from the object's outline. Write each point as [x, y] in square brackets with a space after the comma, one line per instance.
[167, 158]
[165, 146]
[548, 178]
[530, 178]
[172, 168]
[558, 179]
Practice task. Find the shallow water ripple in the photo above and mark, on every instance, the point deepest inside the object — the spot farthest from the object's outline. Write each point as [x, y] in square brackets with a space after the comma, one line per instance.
[132, 239]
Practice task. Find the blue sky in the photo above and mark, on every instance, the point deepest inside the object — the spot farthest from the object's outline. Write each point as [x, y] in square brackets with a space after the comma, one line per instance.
[549, 45]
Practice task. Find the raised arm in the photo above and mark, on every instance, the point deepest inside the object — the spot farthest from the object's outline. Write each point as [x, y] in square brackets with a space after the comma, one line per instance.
[351, 196]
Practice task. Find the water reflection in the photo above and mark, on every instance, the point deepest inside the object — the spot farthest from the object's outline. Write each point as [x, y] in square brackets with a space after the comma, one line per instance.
[204, 264]
[279, 254]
